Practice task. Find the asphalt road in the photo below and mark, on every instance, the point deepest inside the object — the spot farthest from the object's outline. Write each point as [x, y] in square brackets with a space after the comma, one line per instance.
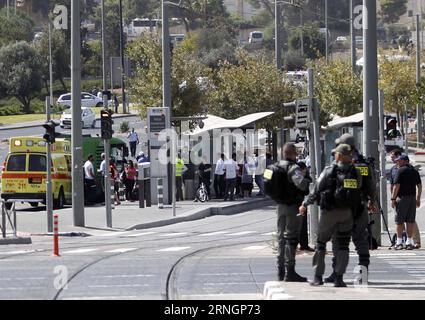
[220, 257]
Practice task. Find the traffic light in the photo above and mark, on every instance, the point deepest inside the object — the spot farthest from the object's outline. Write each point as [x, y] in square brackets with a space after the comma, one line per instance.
[50, 135]
[106, 123]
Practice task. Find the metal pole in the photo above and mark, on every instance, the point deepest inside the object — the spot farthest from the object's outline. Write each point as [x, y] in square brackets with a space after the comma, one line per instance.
[302, 31]
[326, 27]
[406, 124]
[278, 35]
[370, 93]
[419, 113]
[383, 180]
[314, 209]
[124, 106]
[76, 138]
[166, 87]
[173, 158]
[353, 38]
[107, 180]
[15, 7]
[50, 64]
[7, 9]
[49, 195]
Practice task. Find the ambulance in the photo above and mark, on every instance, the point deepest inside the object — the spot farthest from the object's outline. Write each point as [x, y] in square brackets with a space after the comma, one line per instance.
[23, 176]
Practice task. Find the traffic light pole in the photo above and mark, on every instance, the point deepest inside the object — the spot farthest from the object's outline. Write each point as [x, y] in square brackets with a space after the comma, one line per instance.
[108, 204]
[419, 113]
[49, 194]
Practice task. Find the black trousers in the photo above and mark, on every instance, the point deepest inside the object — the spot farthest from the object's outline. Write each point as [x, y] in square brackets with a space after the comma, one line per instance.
[129, 185]
[133, 146]
[179, 189]
[304, 233]
[219, 185]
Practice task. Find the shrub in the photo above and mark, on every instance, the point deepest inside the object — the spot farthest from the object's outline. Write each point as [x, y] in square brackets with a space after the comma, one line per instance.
[124, 127]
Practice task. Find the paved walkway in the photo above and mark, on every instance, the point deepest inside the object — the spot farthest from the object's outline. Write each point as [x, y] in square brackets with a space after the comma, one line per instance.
[128, 216]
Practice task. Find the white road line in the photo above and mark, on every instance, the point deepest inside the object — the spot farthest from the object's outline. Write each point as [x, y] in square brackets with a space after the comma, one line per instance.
[80, 250]
[383, 255]
[18, 252]
[407, 262]
[209, 234]
[228, 283]
[175, 234]
[241, 233]
[232, 274]
[104, 298]
[254, 248]
[173, 249]
[269, 234]
[23, 288]
[29, 278]
[121, 250]
[140, 234]
[126, 276]
[119, 285]
[113, 234]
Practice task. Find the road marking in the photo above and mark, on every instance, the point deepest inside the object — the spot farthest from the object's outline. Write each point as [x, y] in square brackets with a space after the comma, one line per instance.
[105, 298]
[175, 234]
[29, 278]
[254, 248]
[121, 250]
[81, 250]
[212, 233]
[269, 234]
[112, 234]
[233, 274]
[383, 255]
[18, 252]
[173, 249]
[126, 276]
[241, 233]
[119, 285]
[229, 283]
[23, 288]
[140, 234]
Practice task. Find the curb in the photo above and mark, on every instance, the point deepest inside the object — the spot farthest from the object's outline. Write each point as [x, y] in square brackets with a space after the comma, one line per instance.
[197, 214]
[18, 240]
[41, 123]
[273, 290]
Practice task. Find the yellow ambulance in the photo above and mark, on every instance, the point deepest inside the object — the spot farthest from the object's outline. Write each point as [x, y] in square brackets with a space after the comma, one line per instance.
[24, 171]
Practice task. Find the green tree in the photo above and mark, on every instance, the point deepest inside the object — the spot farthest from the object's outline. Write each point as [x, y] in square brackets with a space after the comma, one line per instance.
[314, 41]
[252, 85]
[391, 10]
[60, 54]
[339, 91]
[17, 28]
[140, 9]
[20, 67]
[187, 73]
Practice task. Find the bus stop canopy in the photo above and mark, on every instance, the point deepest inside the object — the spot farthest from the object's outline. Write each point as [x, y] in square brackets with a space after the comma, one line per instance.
[356, 119]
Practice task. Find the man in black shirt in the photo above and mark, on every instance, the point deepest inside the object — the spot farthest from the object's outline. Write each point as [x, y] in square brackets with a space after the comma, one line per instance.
[405, 199]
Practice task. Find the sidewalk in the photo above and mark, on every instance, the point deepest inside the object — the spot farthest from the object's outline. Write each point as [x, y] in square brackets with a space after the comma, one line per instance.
[128, 216]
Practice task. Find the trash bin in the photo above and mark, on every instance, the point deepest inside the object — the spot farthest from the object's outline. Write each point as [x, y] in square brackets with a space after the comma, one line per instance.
[144, 183]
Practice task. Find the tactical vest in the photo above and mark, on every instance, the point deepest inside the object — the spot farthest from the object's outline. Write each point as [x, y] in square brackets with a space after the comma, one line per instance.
[179, 167]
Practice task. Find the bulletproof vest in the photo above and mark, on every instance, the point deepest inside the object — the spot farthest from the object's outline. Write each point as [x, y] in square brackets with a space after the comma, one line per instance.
[367, 181]
[277, 184]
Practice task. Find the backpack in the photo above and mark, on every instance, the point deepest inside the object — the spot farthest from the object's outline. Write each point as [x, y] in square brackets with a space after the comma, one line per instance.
[277, 185]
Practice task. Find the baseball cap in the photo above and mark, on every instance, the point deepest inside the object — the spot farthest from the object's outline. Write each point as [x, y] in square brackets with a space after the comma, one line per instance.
[403, 156]
[343, 149]
[346, 138]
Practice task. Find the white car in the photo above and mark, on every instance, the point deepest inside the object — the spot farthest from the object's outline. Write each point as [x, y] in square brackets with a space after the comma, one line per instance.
[87, 100]
[256, 37]
[88, 118]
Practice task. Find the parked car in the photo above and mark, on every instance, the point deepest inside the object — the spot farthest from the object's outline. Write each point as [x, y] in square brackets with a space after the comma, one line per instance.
[341, 40]
[88, 118]
[359, 41]
[87, 100]
[256, 37]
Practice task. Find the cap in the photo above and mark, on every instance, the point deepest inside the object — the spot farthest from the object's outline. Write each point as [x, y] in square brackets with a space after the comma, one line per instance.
[103, 155]
[403, 156]
[343, 149]
[346, 138]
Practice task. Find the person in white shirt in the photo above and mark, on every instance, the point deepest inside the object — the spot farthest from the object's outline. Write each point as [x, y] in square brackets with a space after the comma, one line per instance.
[133, 140]
[102, 170]
[230, 167]
[89, 180]
[219, 178]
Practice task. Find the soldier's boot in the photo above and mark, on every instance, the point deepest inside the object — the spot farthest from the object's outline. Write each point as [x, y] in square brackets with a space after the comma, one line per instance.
[318, 281]
[292, 276]
[331, 278]
[281, 273]
[339, 282]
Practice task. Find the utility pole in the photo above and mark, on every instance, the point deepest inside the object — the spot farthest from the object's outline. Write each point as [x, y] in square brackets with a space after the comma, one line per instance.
[419, 113]
[107, 180]
[76, 138]
[124, 103]
[50, 64]
[353, 38]
[7, 9]
[302, 30]
[49, 194]
[166, 95]
[326, 27]
[278, 35]
[370, 93]
[383, 179]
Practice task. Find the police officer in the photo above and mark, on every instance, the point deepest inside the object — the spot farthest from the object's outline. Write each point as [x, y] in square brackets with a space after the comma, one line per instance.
[337, 188]
[360, 212]
[289, 223]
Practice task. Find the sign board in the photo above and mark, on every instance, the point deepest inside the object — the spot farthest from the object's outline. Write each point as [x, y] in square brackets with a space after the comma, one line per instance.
[302, 110]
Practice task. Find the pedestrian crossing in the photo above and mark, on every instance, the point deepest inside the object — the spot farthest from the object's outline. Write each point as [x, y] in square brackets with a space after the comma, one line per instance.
[408, 262]
[130, 234]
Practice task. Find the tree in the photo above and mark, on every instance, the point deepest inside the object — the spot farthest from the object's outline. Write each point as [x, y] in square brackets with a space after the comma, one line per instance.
[339, 91]
[60, 54]
[314, 41]
[17, 28]
[391, 10]
[187, 74]
[252, 85]
[140, 9]
[20, 67]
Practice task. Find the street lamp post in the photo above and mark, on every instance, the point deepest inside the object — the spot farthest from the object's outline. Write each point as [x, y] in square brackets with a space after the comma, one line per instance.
[419, 114]
[326, 32]
[278, 35]
[124, 102]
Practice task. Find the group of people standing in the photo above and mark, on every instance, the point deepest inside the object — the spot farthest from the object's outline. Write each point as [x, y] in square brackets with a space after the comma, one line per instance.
[346, 192]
